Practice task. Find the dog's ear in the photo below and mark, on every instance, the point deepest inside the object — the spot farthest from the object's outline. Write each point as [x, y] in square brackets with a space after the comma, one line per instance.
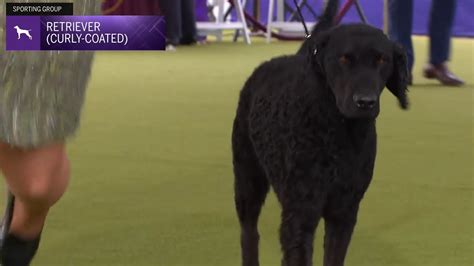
[317, 51]
[397, 83]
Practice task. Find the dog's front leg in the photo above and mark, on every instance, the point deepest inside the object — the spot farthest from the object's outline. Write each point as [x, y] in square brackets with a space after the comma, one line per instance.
[338, 235]
[302, 200]
[297, 233]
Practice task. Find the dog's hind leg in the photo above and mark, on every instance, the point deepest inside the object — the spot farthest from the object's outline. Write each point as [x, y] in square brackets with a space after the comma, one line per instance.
[338, 235]
[251, 189]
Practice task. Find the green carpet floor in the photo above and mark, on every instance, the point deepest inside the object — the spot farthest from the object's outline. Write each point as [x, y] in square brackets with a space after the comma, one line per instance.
[152, 179]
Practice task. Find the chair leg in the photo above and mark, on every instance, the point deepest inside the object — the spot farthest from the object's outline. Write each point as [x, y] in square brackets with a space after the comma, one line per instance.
[238, 32]
[361, 12]
[241, 17]
[271, 6]
[302, 4]
[220, 18]
[345, 8]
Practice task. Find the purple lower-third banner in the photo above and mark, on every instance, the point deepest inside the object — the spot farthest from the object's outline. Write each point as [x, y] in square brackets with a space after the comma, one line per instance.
[46, 33]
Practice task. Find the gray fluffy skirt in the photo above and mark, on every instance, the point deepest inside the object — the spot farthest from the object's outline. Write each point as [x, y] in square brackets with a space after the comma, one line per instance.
[42, 93]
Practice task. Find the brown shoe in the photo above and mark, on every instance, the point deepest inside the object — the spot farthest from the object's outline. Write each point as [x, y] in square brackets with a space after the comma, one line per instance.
[442, 73]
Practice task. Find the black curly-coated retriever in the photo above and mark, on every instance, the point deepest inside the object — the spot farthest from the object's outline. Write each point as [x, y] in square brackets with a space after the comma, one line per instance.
[305, 125]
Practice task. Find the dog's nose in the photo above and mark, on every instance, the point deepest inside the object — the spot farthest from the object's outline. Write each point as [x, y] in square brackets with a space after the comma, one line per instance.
[365, 101]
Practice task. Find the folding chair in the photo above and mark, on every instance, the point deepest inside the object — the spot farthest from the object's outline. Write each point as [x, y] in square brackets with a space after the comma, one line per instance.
[217, 27]
[290, 26]
[347, 5]
[302, 4]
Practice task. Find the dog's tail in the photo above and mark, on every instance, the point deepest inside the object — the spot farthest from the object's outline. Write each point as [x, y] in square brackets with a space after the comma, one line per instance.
[325, 22]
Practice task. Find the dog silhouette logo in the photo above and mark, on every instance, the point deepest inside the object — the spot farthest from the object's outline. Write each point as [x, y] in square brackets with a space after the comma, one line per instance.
[21, 32]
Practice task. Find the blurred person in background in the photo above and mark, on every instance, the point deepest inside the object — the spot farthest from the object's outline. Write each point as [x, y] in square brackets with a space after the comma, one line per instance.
[440, 26]
[41, 96]
[180, 22]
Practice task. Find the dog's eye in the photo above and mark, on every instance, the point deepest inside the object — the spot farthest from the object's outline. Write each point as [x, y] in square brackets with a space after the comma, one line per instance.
[344, 60]
[381, 60]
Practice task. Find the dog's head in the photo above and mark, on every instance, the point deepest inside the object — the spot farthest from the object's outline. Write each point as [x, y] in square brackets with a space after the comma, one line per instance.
[358, 62]
[16, 27]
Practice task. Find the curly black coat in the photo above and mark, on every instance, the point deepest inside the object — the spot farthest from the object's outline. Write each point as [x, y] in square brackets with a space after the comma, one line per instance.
[305, 125]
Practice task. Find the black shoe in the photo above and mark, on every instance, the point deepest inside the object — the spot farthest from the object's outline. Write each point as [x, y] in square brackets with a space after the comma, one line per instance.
[7, 220]
[188, 41]
[17, 251]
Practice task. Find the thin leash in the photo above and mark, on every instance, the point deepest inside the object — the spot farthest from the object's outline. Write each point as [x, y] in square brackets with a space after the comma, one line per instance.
[302, 19]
